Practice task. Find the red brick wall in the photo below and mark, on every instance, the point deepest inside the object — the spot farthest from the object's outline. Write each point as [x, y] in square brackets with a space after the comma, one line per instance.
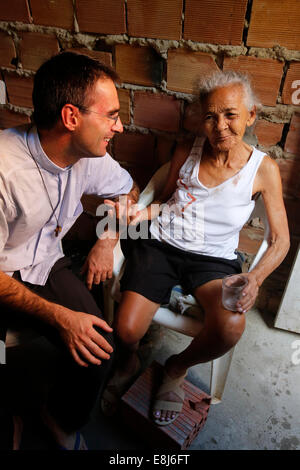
[160, 48]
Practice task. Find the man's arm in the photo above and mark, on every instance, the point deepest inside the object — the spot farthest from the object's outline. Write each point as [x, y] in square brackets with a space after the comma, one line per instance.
[76, 328]
[99, 263]
[134, 193]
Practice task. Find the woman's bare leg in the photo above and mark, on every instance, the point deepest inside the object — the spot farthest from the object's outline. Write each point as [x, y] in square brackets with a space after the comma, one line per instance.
[221, 331]
[131, 323]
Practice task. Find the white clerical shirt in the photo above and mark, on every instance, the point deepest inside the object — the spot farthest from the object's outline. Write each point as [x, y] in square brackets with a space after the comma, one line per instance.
[27, 240]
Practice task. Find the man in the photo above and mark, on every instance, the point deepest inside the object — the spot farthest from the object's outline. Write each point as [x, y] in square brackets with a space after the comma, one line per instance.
[44, 170]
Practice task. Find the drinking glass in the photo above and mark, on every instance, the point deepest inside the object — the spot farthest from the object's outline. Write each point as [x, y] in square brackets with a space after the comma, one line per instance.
[232, 288]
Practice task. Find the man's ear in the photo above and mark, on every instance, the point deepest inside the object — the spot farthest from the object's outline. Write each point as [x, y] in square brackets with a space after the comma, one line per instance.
[69, 116]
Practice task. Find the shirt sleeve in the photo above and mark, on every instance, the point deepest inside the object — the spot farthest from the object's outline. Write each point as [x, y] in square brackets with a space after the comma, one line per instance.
[106, 178]
[3, 226]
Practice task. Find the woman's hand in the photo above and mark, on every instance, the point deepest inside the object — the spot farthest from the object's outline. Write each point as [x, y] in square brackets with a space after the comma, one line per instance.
[150, 212]
[120, 209]
[249, 293]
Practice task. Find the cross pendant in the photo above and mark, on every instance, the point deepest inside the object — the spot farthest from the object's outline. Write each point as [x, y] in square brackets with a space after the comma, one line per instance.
[57, 230]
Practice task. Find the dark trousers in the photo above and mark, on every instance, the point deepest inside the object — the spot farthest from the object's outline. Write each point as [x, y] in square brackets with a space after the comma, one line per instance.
[74, 389]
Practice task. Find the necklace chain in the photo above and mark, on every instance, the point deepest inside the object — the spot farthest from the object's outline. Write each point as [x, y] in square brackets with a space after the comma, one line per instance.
[58, 228]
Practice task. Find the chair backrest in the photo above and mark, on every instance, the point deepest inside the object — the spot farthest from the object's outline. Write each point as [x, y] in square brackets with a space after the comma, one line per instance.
[154, 186]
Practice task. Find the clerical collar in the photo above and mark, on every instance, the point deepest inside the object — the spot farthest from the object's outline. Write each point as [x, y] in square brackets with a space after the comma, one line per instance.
[39, 155]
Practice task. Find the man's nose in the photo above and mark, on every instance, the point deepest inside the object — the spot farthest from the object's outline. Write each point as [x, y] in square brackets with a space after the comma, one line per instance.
[118, 126]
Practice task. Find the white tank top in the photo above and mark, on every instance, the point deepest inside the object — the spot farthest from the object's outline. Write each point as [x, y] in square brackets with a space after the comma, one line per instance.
[203, 220]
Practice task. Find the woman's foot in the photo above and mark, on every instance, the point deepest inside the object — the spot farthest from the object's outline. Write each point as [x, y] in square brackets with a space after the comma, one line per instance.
[170, 395]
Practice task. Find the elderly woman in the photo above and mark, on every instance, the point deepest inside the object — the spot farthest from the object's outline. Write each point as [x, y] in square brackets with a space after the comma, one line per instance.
[211, 187]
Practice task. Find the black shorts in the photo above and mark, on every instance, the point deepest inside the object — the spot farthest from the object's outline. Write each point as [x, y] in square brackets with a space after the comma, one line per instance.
[153, 268]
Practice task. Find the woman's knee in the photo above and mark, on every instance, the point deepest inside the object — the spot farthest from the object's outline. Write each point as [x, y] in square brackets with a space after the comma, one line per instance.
[229, 328]
[129, 329]
[127, 333]
[133, 317]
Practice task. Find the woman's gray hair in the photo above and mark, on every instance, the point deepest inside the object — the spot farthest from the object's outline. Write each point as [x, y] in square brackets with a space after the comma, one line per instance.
[208, 84]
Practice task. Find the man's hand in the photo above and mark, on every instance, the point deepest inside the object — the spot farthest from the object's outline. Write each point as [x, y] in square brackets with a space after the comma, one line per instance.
[99, 263]
[76, 328]
[82, 340]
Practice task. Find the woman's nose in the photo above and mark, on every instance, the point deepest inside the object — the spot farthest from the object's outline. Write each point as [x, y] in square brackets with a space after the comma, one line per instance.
[221, 123]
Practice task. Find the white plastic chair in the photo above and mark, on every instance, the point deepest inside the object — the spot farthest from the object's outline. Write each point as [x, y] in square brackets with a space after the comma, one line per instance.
[184, 324]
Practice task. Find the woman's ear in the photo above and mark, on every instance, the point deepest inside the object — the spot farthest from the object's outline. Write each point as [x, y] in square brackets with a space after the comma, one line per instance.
[69, 116]
[252, 116]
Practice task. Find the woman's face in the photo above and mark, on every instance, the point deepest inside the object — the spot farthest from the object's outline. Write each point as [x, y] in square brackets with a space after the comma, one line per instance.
[225, 117]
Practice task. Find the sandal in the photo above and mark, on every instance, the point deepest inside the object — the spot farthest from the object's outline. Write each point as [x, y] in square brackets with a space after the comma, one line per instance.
[169, 385]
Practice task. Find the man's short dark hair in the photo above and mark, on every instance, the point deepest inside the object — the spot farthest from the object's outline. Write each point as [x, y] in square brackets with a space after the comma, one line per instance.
[65, 78]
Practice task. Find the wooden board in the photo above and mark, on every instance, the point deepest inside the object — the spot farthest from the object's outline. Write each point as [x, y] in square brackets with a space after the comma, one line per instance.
[288, 315]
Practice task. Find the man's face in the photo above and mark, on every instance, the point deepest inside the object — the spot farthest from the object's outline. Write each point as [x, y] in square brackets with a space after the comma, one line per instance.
[98, 121]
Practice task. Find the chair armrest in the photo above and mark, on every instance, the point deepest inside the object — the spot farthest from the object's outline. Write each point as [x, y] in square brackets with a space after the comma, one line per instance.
[262, 249]
[184, 324]
[119, 259]
[259, 211]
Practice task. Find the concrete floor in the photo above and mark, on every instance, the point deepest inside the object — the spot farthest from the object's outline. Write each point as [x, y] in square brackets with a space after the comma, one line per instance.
[260, 407]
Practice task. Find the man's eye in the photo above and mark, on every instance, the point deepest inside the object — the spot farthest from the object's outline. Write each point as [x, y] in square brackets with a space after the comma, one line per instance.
[114, 117]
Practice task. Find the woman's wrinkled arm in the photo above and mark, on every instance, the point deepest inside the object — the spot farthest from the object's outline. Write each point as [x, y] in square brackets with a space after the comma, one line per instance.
[270, 186]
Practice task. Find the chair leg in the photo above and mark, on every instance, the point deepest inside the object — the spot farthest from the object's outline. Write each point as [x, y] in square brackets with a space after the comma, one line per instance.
[108, 303]
[219, 371]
